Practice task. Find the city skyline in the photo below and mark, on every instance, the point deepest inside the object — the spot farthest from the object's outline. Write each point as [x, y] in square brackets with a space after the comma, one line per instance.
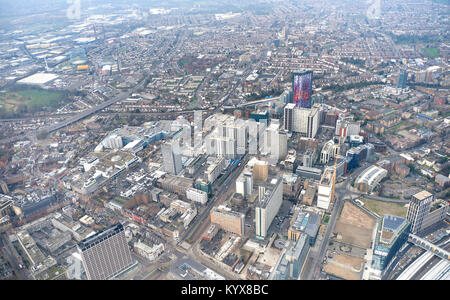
[250, 141]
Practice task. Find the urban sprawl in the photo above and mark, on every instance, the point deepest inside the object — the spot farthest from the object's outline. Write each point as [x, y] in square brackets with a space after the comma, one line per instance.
[256, 140]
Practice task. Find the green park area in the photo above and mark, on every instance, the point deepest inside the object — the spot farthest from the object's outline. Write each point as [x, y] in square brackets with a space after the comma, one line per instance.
[431, 52]
[18, 101]
[381, 208]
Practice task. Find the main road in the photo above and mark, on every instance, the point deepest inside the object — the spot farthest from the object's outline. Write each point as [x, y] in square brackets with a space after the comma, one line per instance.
[317, 259]
[77, 117]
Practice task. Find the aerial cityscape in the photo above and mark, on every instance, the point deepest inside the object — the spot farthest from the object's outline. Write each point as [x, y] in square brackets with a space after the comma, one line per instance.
[224, 140]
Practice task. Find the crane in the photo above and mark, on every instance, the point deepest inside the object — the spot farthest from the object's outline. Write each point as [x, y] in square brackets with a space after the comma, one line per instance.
[335, 167]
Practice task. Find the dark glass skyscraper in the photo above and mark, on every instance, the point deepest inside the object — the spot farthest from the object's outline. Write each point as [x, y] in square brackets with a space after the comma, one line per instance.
[302, 88]
[402, 80]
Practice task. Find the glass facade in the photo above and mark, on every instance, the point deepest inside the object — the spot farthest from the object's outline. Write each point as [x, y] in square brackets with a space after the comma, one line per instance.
[302, 88]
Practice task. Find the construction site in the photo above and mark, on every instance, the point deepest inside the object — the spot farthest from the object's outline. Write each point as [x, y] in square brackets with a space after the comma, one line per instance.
[348, 247]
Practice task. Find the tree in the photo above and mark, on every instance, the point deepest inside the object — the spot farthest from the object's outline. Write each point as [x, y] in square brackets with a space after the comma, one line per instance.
[42, 135]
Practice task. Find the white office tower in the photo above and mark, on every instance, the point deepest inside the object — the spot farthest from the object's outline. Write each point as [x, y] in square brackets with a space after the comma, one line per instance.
[248, 183]
[228, 139]
[171, 157]
[304, 120]
[255, 136]
[308, 158]
[275, 143]
[300, 122]
[240, 185]
[244, 184]
[105, 254]
[184, 126]
[283, 144]
[231, 148]
[269, 203]
[313, 122]
[325, 189]
[211, 145]
[241, 137]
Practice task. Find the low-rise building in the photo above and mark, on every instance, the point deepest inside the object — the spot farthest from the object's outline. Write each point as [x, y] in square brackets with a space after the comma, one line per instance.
[228, 220]
[370, 178]
[197, 196]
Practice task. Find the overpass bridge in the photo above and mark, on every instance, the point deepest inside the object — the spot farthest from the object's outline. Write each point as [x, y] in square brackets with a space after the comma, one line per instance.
[256, 102]
[426, 245]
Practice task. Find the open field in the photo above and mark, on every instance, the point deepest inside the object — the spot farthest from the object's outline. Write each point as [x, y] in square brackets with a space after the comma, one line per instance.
[431, 52]
[344, 266]
[352, 215]
[382, 208]
[29, 100]
[353, 235]
[354, 227]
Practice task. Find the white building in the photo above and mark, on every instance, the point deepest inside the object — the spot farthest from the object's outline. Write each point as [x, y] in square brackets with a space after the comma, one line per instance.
[269, 203]
[244, 184]
[325, 188]
[197, 195]
[275, 142]
[370, 178]
[302, 120]
[213, 171]
[171, 157]
[151, 253]
[328, 152]
[113, 141]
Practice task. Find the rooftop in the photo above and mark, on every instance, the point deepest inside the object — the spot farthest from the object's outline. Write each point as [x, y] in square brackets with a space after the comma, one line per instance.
[100, 236]
[422, 195]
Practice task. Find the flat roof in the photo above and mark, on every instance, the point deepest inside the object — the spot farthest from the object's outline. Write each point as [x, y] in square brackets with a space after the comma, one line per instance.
[38, 78]
[422, 195]
[100, 236]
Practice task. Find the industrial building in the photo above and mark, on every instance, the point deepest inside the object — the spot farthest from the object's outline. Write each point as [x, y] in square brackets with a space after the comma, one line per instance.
[213, 171]
[306, 172]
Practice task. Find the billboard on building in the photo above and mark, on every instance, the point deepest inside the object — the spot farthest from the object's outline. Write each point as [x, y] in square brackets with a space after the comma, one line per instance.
[302, 87]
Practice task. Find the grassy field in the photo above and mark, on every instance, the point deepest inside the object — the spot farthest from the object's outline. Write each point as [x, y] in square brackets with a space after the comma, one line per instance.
[29, 100]
[381, 208]
[431, 52]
